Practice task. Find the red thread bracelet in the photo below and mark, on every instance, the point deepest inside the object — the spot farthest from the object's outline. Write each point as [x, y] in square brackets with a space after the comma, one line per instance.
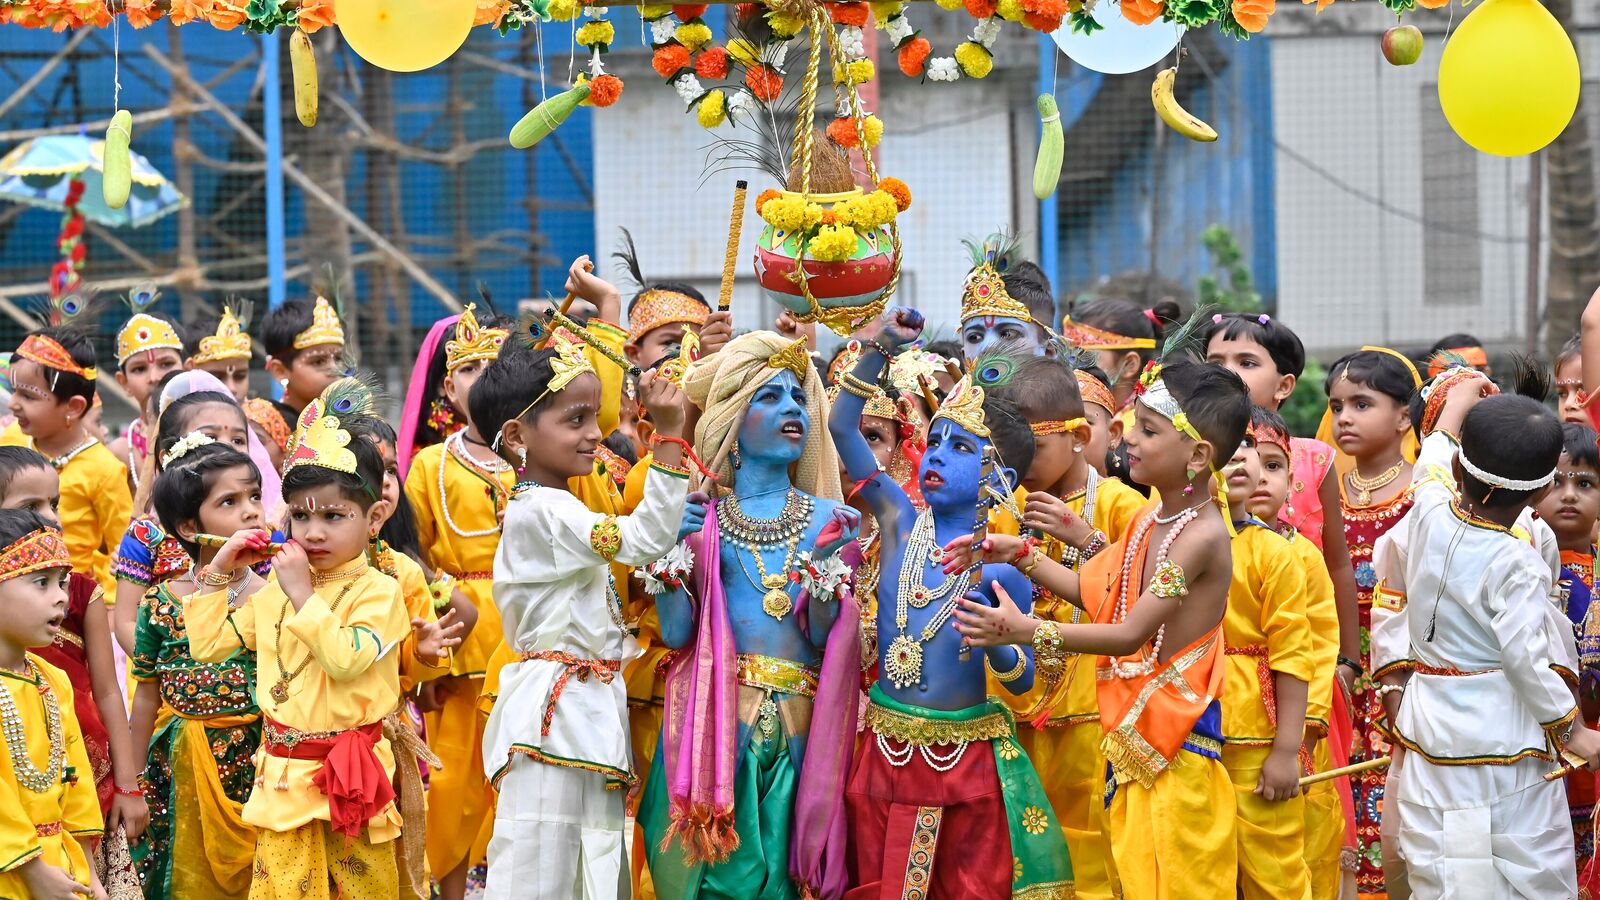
[123, 792]
[688, 451]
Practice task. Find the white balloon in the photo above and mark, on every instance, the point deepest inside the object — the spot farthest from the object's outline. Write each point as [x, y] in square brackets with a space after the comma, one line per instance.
[1121, 46]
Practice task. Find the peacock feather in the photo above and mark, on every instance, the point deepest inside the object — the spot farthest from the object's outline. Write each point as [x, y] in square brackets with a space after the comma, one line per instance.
[1185, 339]
[353, 395]
[1000, 251]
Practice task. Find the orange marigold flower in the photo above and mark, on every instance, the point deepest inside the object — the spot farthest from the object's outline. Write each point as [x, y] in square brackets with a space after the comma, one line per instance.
[1252, 15]
[764, 196]
[182, 12]
[981, 9]
[897, 189]
[764, 82]
[686, 11]
[712, 64]
[829, 217]
[604, 90]
[669, 59]
[914, 56]
[315, 14]
[141, 12]
[1044, 15]
[848, 14]
[1142, 12]
[226, 16]
[843, 132]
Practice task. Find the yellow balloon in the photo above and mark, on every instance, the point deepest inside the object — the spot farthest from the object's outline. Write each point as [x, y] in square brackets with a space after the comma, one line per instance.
[404, 35]
[1508, 79]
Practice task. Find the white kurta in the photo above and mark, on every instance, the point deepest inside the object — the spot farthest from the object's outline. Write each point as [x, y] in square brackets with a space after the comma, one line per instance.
[1458, 595]
[558, 828]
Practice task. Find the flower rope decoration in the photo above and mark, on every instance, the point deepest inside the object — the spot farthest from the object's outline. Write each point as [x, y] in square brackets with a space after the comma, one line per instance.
[684, 51]
[595, 34]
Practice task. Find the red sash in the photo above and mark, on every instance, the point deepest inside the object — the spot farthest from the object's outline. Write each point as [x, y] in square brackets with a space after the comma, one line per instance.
[351, 774]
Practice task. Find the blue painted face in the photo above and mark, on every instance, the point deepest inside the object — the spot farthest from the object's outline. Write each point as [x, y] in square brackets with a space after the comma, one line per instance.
[775, 424]
[951, 467]
[983, 333]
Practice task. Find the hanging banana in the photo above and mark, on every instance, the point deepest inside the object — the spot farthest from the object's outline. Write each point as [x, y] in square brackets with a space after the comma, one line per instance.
[1176, 117]
[303, 67]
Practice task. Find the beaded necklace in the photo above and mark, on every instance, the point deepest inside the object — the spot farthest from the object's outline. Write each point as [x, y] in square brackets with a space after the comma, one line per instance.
[280, 689]
[28, 775]
[454, 446]
[1179, 521]
[60, 462]
[903, 661]
[756, 536]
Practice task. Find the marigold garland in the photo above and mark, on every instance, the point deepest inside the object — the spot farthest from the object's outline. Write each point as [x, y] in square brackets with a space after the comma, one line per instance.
[764, 82]
[670, 59]
[713, 109]
[852, 14]
[712, 64]
[604, 90]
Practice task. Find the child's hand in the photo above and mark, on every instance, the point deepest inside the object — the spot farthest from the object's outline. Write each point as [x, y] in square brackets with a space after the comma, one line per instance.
[982, 625]
[131, 813]
[1280, 775]
[665, 402]
[426, 697]
[1050, 514]
[716, 333]
[582, 281]
[293, 569]
[245, 548]
[997, 548]
[901, 326]
[793, 329]
[437, 637]
[46, 882]
[1585, 742]
[694, 514]
[843, 525]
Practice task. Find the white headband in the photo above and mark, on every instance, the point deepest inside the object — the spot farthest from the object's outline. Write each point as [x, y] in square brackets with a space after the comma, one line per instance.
[1510, 484]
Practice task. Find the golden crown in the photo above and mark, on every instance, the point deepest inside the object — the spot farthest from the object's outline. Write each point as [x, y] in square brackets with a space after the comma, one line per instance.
[794, 357]
[325, 327]
[688, 351]
[472, 343]
[320, 441]
[569, 362]
[985, 295]
[964, 406]
[146, 332]
[228, 342]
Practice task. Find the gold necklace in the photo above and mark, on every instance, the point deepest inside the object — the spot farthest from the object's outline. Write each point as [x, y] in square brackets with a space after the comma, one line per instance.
[28, 775]
[776, 601]
[356, 567]
[1365, 486]
[280, 689]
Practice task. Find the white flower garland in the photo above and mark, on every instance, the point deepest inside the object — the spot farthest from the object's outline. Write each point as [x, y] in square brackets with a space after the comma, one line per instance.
[822, 579]
[669, 573]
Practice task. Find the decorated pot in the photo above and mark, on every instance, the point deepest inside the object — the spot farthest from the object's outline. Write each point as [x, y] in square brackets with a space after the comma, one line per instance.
[845, 286]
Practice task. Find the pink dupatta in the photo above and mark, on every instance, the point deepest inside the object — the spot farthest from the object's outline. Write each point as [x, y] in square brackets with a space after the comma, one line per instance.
[411, 413]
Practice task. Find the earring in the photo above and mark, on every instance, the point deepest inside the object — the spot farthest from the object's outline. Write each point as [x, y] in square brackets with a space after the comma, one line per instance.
[522, 459]
[1076, 448]
[736, 461]
[1188, 489]
[283, 383]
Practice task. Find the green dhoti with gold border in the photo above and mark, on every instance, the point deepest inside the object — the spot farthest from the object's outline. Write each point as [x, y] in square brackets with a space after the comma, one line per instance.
[775, 697]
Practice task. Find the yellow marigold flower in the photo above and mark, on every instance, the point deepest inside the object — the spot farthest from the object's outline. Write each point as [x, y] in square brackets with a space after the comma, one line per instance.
[785, 25]
[791, 214]
[1035, 820]
[693, 35]
[950, 4]
[861, 71]
[563, 10]
[713, 110]
[872, 130]
[833, 243]
[597, 32]
[884, 10]
[975, 62]
[651, 11]
[1011, 10]
[743, 52]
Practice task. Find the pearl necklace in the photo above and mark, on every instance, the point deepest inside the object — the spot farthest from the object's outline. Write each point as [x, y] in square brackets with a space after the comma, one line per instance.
[60, 462]
[1168, 520]
[903, 661]
[1147, 663]
[454, 446]
[28, 775]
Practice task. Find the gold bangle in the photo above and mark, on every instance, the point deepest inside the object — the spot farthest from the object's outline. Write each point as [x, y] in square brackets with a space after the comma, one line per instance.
[1049, 652]
[1014, 672]
[850, 384]
[1026, 566]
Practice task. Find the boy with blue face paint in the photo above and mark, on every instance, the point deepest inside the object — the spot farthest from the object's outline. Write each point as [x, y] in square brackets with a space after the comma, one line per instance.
[942, 799]
[761, 700]
[1007, 307]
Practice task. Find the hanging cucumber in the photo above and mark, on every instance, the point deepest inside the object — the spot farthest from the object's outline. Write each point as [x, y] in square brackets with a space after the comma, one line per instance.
[116, 169]
[303, 69]
[544, 118]
[1047, 167]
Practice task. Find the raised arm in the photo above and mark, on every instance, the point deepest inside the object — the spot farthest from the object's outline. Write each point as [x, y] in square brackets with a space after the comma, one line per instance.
[887, 499]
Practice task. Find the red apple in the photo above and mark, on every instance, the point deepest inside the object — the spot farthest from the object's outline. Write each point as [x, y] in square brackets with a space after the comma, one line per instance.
[1402, 45]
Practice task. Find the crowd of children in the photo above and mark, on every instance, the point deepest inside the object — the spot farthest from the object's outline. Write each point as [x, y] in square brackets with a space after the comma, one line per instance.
[1058, 609]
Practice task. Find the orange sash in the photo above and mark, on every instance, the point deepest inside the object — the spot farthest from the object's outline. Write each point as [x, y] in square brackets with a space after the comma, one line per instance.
[1149, 718]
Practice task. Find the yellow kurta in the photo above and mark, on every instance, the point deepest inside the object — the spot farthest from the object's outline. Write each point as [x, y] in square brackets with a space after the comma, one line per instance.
[1324, 815]
[46, 824]
[96, 507]
[1266, 631]
[351, 679]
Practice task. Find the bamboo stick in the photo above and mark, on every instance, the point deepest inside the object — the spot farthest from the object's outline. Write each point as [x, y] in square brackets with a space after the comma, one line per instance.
[1331, 774]
[730, 259]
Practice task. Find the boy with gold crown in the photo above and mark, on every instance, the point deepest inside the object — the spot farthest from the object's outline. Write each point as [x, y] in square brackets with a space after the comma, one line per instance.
[148, 349]
[942, 801]
[324, 632]
[224, 349]
[456, 489]
[1007, 304]
[305, 348]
